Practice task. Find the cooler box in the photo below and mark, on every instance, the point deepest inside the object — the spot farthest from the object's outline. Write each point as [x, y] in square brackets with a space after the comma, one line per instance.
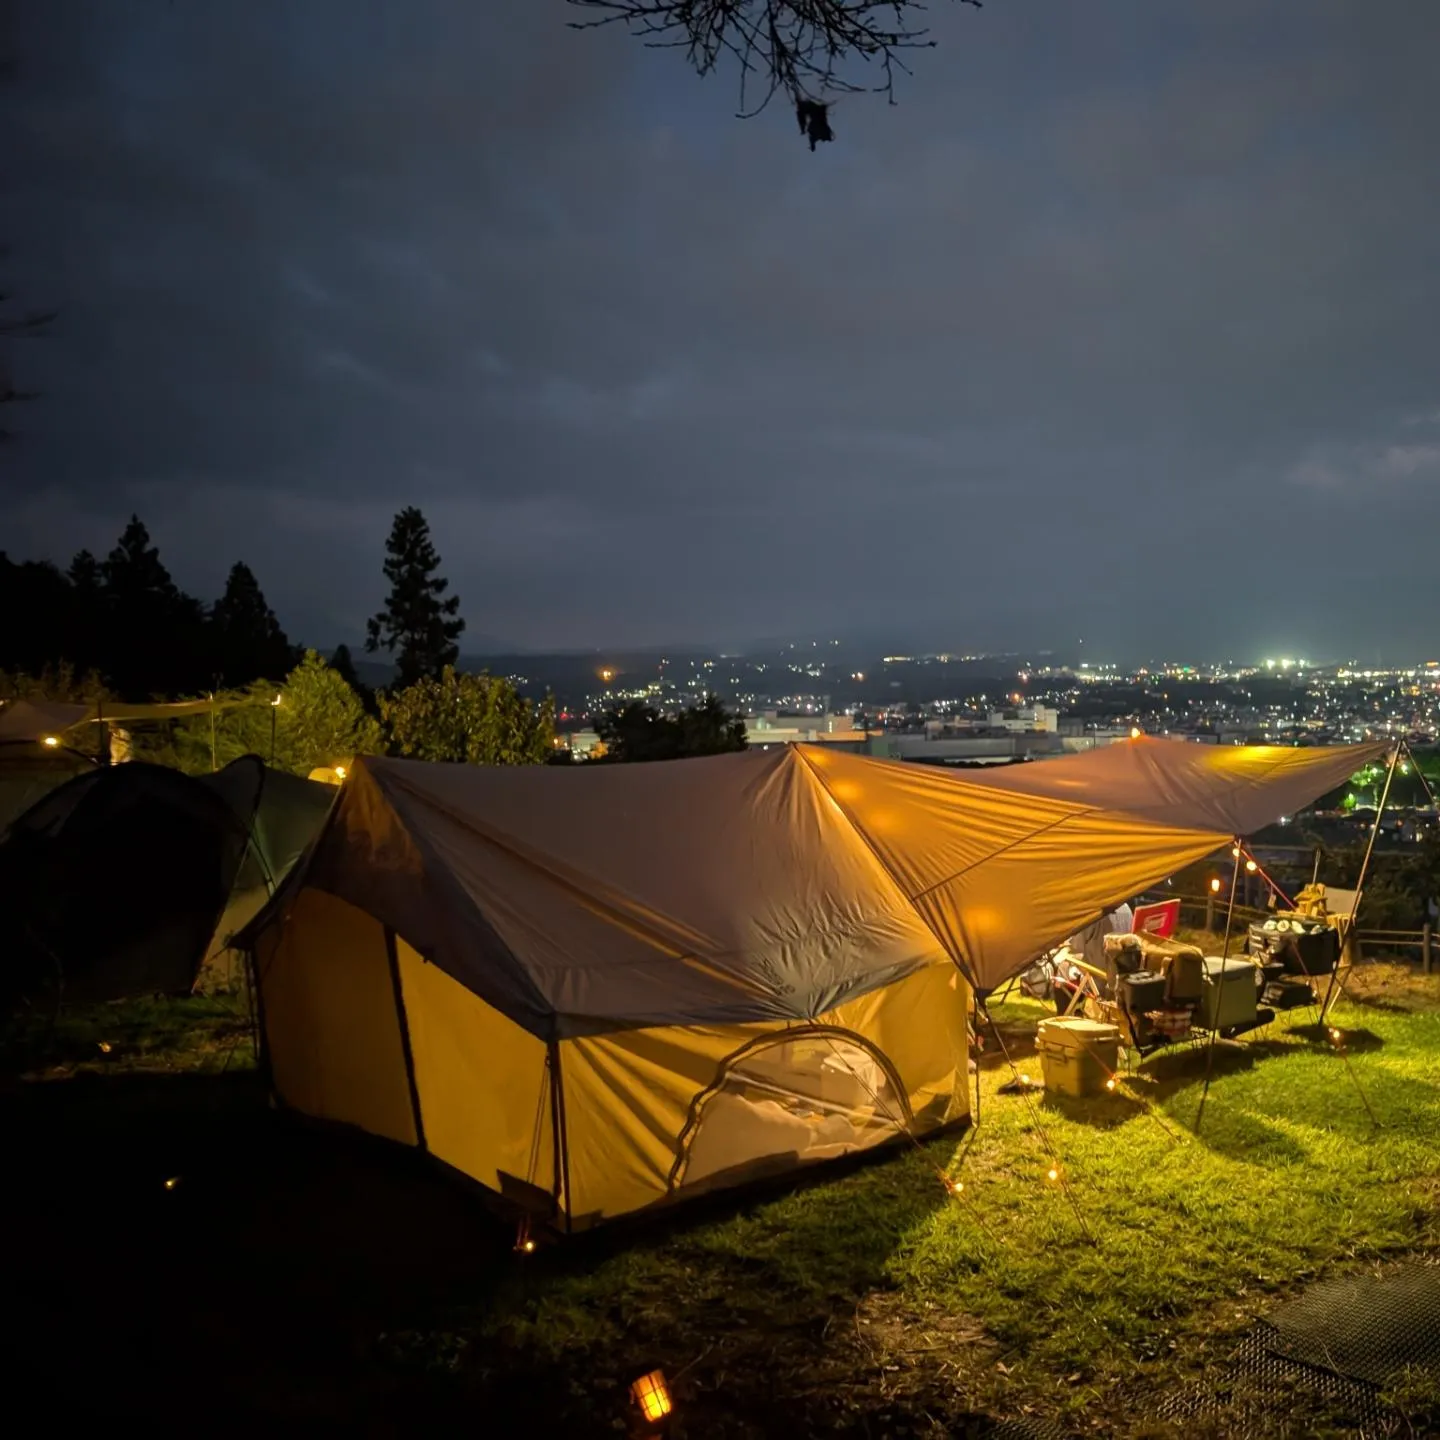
[1078, 1055]
[1226, 1004]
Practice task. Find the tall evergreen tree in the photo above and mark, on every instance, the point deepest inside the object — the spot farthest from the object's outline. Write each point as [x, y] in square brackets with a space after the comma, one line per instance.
[85, 574]
[247, 641]
[88, 632]
[156, 632]
[344, 665]
[419, 624]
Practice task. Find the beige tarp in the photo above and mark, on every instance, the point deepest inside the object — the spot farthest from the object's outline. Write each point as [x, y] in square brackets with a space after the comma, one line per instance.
[1235, 789]
[1000, 877]
[33, 720]
[723, 890]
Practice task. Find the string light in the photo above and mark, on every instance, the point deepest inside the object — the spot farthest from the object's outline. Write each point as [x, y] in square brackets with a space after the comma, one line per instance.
[1251, 866]
[1235, 851]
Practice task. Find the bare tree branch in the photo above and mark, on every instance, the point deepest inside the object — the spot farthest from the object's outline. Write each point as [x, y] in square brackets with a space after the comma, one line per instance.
[794, 46]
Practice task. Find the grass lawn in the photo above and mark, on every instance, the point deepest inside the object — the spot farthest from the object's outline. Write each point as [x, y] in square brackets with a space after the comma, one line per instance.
[872, 1302]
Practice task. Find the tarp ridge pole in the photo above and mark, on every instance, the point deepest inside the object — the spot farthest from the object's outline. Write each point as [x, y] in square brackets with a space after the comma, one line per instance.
[562, 1137]
[393, 957]
[1347, 927]
[1238, 849]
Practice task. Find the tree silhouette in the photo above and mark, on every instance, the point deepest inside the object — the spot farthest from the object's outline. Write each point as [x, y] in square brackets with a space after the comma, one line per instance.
[638, 732]
[792, 46]
[155, 633]
[418, 621]
[247, 642]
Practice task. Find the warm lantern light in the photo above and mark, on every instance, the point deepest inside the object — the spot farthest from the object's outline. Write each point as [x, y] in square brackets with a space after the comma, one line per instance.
[1335, 1035]
[340, 771]
[954, 1186]
[1053, 1174]
[1135, 732]
[52, 741]
[1024, 1079]
[1251, 866]
[1215, 886]
[1235, 851]
[276, 700]
[104, 1046]
[652, 1395]
[1110, 1083]
[172, 1183]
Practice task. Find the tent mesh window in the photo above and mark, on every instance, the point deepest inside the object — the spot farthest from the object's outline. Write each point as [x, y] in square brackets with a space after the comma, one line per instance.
[798, 1098]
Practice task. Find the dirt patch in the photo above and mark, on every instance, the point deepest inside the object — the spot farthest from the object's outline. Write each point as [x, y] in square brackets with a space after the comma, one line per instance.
[1393, 985]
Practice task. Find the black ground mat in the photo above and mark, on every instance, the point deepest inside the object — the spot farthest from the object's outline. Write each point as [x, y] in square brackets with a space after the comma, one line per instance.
[1366, 1327]
[1343, 1340]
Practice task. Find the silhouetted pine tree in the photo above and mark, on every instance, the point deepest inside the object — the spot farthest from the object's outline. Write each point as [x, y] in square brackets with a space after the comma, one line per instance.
[247, 642]
[419, 624]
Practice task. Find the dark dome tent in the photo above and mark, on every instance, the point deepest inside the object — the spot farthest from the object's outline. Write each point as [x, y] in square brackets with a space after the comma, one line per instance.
[121, 882]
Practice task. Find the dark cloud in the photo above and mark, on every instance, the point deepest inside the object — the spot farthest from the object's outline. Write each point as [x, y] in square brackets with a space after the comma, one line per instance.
[1123, 323]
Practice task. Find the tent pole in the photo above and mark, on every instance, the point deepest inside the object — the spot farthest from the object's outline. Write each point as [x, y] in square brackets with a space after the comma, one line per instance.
[1238, 845]
[1347, 927]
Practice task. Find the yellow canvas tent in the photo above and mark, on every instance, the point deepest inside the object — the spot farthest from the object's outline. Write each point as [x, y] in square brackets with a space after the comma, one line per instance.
[601, 989]
[598, 990]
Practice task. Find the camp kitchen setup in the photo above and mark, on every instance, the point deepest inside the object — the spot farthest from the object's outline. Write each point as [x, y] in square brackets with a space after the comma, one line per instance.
[1155, 992]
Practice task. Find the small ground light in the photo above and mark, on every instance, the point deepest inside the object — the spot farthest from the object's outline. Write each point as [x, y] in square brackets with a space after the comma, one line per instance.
[954, 1186]
[340, 771]
[1335, 1035]
[104, 1046]
[1053, 1174]
[652, 1396]
[173, 1183]
[52, 741]
[1110, 1083]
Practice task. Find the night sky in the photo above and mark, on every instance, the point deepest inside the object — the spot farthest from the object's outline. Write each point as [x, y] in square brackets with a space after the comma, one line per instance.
[1123, 324]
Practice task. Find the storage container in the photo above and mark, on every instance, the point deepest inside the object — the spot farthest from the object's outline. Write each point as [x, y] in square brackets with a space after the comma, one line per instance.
[1229, 996]
[1142, 991]
[1170, 1024]
[1288, 994]
[1078, 1055]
